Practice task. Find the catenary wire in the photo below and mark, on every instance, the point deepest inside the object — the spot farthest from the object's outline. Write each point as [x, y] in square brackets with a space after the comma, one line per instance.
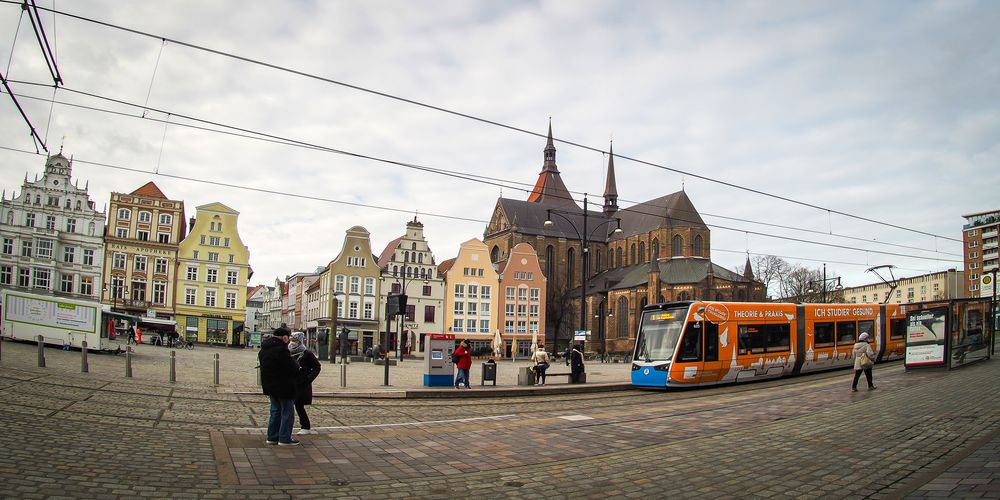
[475, 118]
[462, 176]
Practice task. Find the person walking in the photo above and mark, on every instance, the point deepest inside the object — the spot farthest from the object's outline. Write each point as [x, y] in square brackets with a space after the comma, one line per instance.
[309, 369]
[541, 360]
[131, 335]
[864, 360]
[278, 376]
[576, 363]
[464, 364]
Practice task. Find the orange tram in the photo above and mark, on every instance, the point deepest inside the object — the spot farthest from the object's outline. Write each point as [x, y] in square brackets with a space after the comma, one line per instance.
[685, 344]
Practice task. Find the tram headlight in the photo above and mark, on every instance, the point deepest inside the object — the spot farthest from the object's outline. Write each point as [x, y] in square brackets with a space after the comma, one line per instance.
[662, 368]
[635, 366]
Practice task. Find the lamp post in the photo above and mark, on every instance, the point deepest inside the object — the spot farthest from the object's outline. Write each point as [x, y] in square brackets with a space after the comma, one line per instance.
[332, 333]
[601, 326]
[822, 283]
[584, 237]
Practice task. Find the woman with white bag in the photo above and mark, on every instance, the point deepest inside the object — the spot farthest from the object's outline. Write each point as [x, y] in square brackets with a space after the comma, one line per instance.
[864, 360]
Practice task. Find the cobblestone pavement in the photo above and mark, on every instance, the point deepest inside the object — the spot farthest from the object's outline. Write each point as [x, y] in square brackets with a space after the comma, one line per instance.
[922, 433]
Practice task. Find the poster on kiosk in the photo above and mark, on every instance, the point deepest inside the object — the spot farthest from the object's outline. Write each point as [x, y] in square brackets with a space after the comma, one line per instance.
[439, 371]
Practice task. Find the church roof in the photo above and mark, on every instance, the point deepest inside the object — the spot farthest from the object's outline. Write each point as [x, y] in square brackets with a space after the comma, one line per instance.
[549, 188]
[672, 210]
[149, 190]
[529, 218]
[674, 271]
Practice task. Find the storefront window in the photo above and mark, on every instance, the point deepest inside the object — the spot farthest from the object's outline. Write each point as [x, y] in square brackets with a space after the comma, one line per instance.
[217, 331]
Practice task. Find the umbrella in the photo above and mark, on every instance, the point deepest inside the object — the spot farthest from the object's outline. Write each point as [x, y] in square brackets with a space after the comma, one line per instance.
[498, 344]
[534, 341]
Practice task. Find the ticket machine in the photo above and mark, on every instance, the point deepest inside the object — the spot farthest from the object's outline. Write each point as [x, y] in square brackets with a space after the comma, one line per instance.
[439, 371]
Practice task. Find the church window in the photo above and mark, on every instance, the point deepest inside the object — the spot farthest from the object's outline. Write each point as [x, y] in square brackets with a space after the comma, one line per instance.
[642, 252]
[622, 316]
[631, 259]
[677, 246]
[550, 260]
[495, 254]
[697, 246]
[570, 266]
[656, 248]
[618, 258]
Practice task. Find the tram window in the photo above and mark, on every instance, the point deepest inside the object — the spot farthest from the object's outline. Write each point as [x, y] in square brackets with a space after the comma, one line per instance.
[823, 334]
[711, 342]
[751, 340]
[778, 337]
[897, 329]
[847, 332]
[690, 349]
[867, 326]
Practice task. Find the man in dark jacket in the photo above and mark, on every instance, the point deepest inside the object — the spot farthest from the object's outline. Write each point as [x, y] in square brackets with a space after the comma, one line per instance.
[576, 363]
[278, 376]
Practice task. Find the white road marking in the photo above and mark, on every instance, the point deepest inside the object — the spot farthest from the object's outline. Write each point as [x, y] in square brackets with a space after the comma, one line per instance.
[575, 418]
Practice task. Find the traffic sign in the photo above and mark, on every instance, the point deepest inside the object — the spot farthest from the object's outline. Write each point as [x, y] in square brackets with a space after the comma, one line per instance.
[986, 285]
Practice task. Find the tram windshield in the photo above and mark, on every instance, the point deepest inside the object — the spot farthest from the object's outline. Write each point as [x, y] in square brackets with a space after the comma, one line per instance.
[658, 334]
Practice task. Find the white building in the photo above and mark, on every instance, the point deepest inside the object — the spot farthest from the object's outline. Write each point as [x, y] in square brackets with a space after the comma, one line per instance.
[407, 266]
[52, 236]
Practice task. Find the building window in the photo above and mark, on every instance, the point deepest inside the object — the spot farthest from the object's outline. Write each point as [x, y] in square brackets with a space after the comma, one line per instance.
[355, 286]
[484, 326]
[339, 283]
[213, 241]
[192, 273]
[508, 309]
[232, 258]
[70, 225]
[697, 245]
[369, 311]
[622, 318]
[44, 249]
[536, 294]
[29, 219]
[159, 292]
[213, 256]
[484, 292]
[50, 222]
[118, 261]
[189, 296]
[428, 314]
[471, 308]
[165, 219]
[121, 232]
[160, 266]
[509, 293]
[8, 246]
[352, 311]
[142, 235]
[534, 310]
[370, 286]
[139, 263]
[210, 296]
[88, 257]
[473, 291]
[459, 308]
[69, 254]
[124, 214]
[232, 277]
[427, 290]
[163, 237]
[522, 294]
[6, 275]
[677, 246]
[86, 285]
[571, 265]
[508, 326]
[470, 325]
[225, 242]
[212, 275]
[139, 290]
[25, 249]
[217, 331]
[230, 300]
[456, 326]
[41, 278]
[23, 277]
[145, 217]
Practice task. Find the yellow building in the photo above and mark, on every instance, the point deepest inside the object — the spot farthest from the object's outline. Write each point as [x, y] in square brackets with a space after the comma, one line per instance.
[212, 273]
[471, 308]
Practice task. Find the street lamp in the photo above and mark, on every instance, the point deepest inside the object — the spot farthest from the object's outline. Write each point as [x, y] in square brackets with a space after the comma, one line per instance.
[601, 326]
[584, 251]
[822, 283]
[332, 333]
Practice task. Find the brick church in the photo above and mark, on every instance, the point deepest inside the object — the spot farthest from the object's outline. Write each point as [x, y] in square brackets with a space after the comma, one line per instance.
[654, 251]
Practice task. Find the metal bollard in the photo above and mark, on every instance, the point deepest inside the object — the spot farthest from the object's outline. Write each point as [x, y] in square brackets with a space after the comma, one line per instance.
[128, 362]
[343, 373]
[215, 376]
[41, 352]
[84, 367]
[260, 383]
[173, 367]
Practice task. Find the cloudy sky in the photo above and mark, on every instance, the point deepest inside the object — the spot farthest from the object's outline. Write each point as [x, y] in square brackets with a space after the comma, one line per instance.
[888, 111]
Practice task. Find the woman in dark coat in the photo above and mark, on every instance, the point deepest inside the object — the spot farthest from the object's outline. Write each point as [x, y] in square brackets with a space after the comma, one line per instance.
[576, 363]
[309, 369]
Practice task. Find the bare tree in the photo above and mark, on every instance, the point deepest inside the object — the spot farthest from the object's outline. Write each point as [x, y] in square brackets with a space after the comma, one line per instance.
[771, 271]
[560, 312]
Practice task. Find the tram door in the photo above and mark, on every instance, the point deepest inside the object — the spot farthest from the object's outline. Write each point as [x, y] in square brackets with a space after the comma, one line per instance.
[712, 368]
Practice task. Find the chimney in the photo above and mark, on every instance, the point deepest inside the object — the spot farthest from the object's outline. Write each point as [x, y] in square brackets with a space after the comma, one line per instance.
[190, 224]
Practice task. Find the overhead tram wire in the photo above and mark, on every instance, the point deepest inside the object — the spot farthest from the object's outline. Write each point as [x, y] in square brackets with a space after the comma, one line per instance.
[256, 189]
[475, 118]
[34, 133]
[810, 259]
[293, 142]
[43, 41]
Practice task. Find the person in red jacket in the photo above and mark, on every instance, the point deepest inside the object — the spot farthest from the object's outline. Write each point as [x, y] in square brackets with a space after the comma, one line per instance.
[464, 364]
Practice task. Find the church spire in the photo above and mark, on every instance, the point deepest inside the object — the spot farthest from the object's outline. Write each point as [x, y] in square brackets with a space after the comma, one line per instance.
[610, 186]
[549, 189]
[748, 270]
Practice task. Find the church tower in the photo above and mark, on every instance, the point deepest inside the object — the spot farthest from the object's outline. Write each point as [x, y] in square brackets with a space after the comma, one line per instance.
[550, 189]
[610, 186]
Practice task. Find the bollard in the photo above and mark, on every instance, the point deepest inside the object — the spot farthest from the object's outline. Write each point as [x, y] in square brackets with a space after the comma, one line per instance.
[84, 367]
[259, 382]
[173, 367]
[128, 362]
[41, 352]
[343, 373]
[215, 376]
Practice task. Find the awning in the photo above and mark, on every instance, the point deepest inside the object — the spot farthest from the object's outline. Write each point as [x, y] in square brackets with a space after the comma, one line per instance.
[157, 321]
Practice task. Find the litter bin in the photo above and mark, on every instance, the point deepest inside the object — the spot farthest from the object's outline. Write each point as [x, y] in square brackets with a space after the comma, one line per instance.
[489, 373]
